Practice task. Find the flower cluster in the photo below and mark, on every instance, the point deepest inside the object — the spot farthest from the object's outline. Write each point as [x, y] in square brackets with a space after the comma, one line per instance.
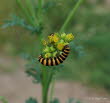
[55, 43]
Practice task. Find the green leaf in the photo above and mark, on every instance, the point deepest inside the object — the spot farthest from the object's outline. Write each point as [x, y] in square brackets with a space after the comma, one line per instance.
[33, 70]
[55, 101]
[17, 21]
[49, 5]
[31, 100]
[3, 99]
[70, 100]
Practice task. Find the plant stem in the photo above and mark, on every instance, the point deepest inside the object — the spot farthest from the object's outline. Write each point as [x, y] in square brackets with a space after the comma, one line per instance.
[71, 14]
[25, 12]
[46, 84]
[52, 89]
[40, 4]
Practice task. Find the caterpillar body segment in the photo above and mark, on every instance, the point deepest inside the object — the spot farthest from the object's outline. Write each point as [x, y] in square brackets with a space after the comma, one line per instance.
[55, 60]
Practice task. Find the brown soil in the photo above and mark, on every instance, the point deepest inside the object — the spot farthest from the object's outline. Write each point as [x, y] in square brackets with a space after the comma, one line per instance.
[17, 87]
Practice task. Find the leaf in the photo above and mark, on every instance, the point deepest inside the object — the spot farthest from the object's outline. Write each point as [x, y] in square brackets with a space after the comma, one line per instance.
[31, 100]
[3, 99]
[17, 21]
[55, 101]
[33, 70]
[78, 102]
[70, 100]
[78, 50]
[49, 5]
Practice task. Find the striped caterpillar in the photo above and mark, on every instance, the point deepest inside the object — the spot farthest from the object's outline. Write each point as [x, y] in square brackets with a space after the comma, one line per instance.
[55, 60]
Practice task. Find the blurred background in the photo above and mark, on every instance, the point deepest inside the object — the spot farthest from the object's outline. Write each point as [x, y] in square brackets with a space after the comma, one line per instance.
[86, 75]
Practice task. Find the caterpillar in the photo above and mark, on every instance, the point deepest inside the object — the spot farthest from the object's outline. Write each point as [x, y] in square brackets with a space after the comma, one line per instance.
[55, 60]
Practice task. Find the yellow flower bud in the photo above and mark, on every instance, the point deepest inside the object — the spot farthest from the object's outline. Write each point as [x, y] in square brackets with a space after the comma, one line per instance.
[60, 46]
[44, 42]
[63, 36]
[69, 37]
[47, 55]
[55, 38]
[52, 49]
[54, 54]
[61, 41]
[50, 38]
[46, 50]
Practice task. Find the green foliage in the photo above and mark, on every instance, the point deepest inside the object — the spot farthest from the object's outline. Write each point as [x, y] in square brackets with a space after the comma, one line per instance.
[31, 100]
[33, 70]
[70, 100]
[91, 25]
[55, 101]
[17, 21]
[3, 99]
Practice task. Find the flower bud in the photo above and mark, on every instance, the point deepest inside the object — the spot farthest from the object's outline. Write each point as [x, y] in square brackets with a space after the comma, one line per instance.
[69, 37]
[63, 36]
[60, 46]
[47, 55]
[55, 38]
[46, 50]
[50, 37]
[62, 41]
[54, 54]
[44, 42]
[52, 49]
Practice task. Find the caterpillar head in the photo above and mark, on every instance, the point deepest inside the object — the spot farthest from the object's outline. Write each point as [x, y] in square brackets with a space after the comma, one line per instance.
[52, 34]
[66, 46]
[40, 57]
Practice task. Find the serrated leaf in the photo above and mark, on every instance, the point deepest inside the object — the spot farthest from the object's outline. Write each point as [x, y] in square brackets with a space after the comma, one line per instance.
[31, 100]
[17, 21]
[33, 70]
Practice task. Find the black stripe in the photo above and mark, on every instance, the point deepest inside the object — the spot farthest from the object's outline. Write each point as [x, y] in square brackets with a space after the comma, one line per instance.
[47, 61]
[67, 49]
[43, 61]
[60, 60]
[51, 61]
[62, 57]
[56, 63]
[66, 52]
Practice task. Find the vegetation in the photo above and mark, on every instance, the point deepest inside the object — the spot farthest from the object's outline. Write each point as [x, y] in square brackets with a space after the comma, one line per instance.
[90, 59]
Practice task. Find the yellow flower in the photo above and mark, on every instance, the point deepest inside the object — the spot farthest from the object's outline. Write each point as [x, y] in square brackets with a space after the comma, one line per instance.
[50, 38]
[55, 38]
[69, 37]
[44, 42]
[60, 46]
[47, 55]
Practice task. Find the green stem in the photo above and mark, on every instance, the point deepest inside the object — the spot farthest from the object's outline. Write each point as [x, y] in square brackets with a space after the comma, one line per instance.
[52, 90]
[31, 11]
[71, 14]
[40, 5]
[46, 84]
[25, 12]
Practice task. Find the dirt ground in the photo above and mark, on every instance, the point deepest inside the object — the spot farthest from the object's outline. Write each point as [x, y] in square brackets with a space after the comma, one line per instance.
[17, 87]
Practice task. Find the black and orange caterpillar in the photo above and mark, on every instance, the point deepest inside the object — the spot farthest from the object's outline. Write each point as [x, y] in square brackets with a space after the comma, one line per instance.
[55, 60]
